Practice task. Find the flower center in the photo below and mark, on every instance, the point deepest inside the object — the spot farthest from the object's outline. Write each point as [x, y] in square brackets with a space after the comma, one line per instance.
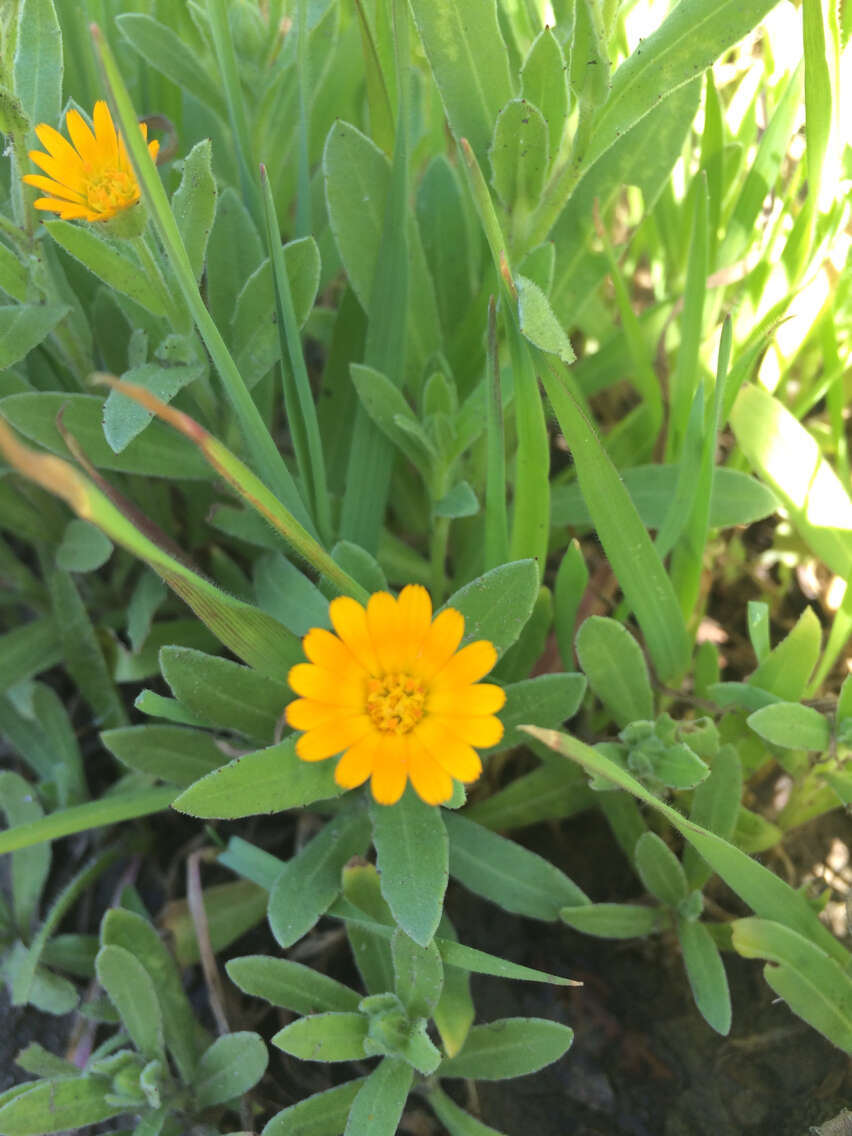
[111, 190]
[395, 702]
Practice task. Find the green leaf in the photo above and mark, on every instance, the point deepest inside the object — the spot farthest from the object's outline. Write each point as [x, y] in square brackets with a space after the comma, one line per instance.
[614, 920]
[679, 767]
[324, 1037]
[125, 929]
[411, 856]
[125, 419]
[23, 327]
[470, 64]
[225, 693]
[176, 755]
[637, 566]
[446, 237]
[418, 974]
[691, 37]
[815, 986]
[231, 908]
[715, 806]
[546, 700]
[543, 82]
[310, 882]
[706, 974]
[84, 548]
[736, 498]
[131, 990]
[37, 67]
[761, 889]
[388, 409]
[194, 202]
[616, 669]
[456, 1121]
[360, 565]
[109, 261]
[323, 1114]
[372, 952]
[292, 985]
[792, 726]
[159, 452]
[539, 323]
[545, 794]
[30, 867]
[265, 781]
[288, 595]
[519, 153]
[459, 502]
[506, 873]
[660, 870]
[27, 650]
[511, 1047]
[786, 669]
[496, 606]
[231, 1066]
[783, 452]
[754, 833]
[56, 1105]
[167, 53]
[377, 1108]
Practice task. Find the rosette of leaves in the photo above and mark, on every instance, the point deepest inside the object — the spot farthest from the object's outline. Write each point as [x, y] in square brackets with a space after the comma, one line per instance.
[159, 1069]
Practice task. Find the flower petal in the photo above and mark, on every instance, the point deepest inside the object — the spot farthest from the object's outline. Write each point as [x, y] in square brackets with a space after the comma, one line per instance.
[356, 765]
[431, 782]
[82, 137]
[307, 713]
[326, 686]
[484, 698]
[390, 769]
[439, 643]
[59, 148]
[414, 612]
[68, 211]
[70, 176]
[331, 653]
[350, 622]
[458, 758]
[383, 626]
[482, 732]
[327, 740]
[105, 133]
[48, 185]
[468, 665]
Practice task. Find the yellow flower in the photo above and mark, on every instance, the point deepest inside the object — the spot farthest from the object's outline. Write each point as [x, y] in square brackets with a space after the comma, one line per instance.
[91, 176]
[394, 692]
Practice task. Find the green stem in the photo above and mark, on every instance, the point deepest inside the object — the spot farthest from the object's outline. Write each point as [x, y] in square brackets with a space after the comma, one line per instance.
[175, 314]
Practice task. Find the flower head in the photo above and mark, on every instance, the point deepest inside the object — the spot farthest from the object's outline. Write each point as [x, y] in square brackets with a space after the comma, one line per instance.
[90, 176]
[393, 693]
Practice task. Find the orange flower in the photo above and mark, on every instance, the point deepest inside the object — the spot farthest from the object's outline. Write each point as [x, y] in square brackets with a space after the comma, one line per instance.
[91, 176]
[392, 692]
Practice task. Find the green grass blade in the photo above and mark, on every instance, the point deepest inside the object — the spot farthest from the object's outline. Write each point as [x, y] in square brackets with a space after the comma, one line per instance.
[258, 440]
[93, 814]
[496, 520]
[625, 539]
[298, 397]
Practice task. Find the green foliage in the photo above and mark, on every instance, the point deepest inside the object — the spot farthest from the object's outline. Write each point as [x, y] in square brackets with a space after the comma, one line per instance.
[436, 302]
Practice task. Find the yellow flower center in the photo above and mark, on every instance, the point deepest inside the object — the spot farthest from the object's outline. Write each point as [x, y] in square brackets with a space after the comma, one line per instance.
[110, 190]
[395, 702]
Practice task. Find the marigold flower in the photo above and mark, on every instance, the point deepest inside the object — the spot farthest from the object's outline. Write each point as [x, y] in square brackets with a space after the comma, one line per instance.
[392, 692]
[91, 176]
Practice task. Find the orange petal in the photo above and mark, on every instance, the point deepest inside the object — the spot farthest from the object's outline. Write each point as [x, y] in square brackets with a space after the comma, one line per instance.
[105, 134]
[390, 769]
[48, 185]
[68, 211]
[356, 765]
[439, 643]
[59, 148]
[326, 686]
[431, 782]
[457, 757]
[72, 176]
[350, 622]
[307, 714]
[482, 732]
[484, 698]
[383, 626]
[414, 612]
[327, 740]
[468, 665]
[153, 150]
[82, 137]
[331, 653]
